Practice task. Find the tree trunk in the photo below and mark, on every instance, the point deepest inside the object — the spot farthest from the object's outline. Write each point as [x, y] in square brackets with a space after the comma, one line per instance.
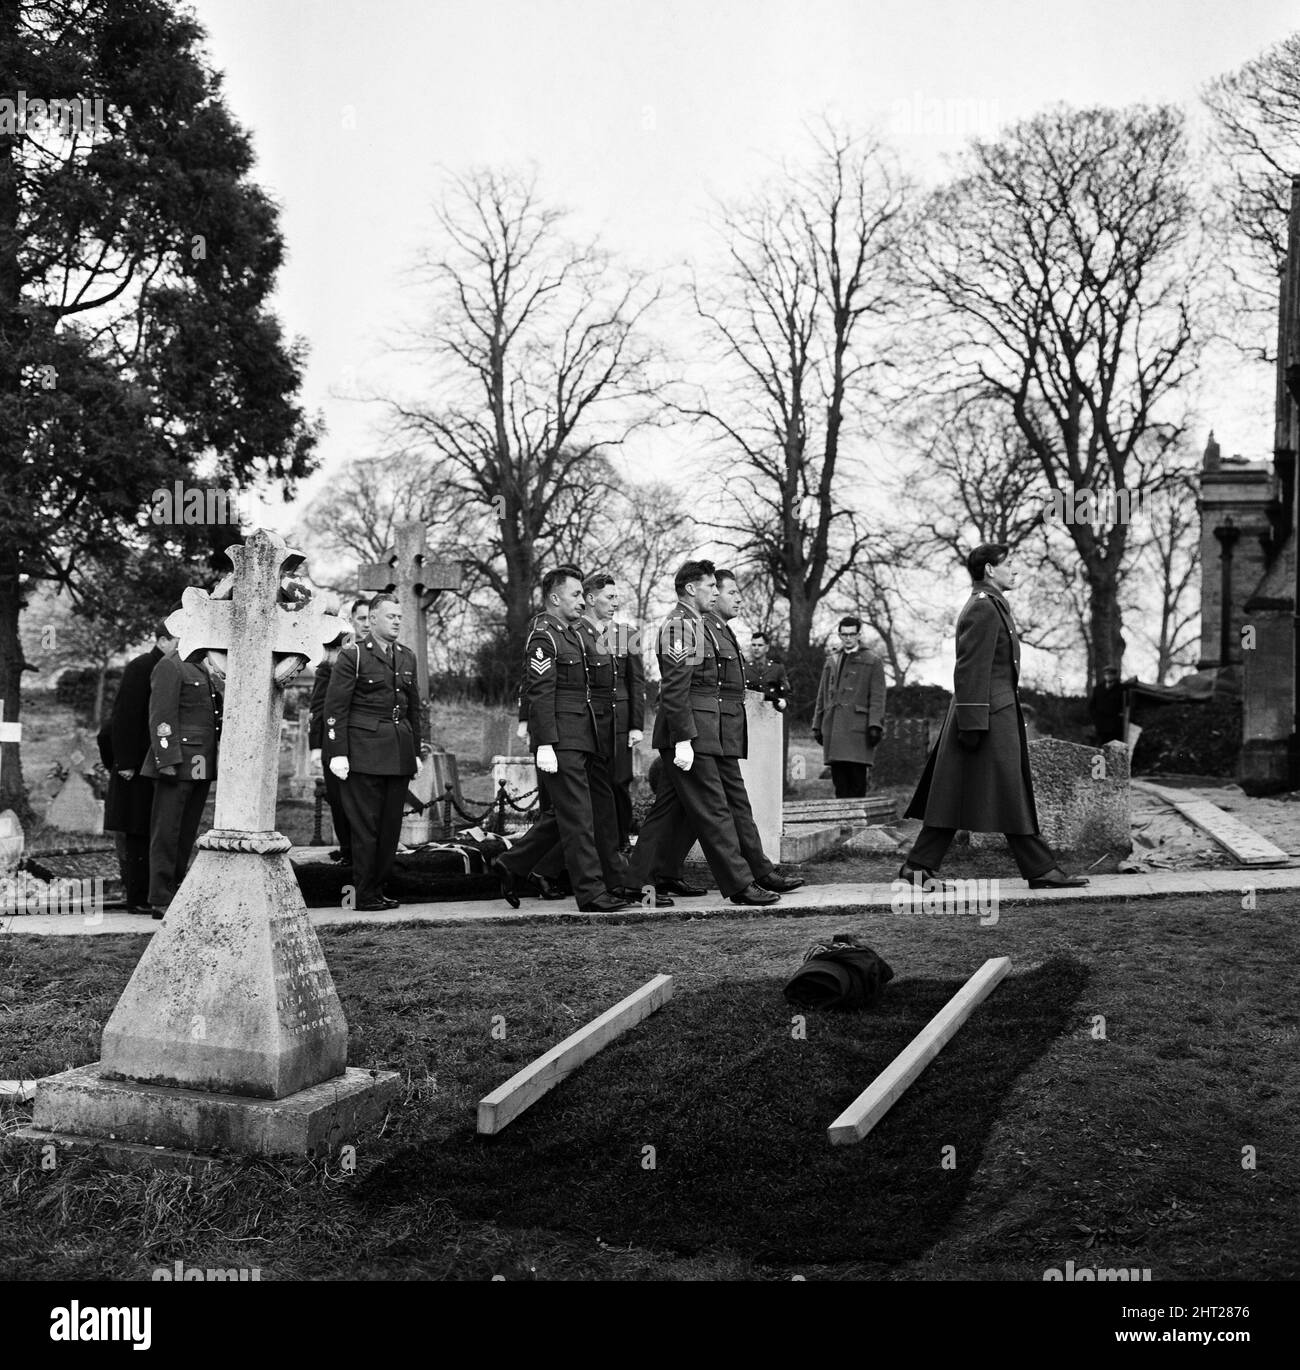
[13, 791]
[1106, 647]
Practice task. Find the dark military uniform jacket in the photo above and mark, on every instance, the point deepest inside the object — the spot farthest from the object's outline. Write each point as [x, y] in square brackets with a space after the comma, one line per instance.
[690, 700]
[624, 642]
[733, 725]
[558, 698]
[184, 720]
[372, 709]
[316, 707]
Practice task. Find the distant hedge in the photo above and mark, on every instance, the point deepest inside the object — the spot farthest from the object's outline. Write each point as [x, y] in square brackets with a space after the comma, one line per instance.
[77, 686]
[1189, 739]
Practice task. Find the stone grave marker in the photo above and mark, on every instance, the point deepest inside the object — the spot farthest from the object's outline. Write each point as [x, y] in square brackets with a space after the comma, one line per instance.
[230, 1033]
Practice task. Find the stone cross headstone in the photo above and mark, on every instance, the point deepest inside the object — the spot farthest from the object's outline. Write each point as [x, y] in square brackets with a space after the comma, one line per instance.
[416, 579]
[232, 1005]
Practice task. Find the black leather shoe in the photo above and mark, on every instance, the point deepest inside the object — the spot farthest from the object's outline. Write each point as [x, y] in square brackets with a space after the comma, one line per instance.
[681, 887]
[781, 884]
[146, 909]
[371, 906]
[923, 880]
[636, 896]
[389, 903]
[160, 914]
[1056, 879]
[604, 903]
[548, 889]
[756, 894]
[507, 881]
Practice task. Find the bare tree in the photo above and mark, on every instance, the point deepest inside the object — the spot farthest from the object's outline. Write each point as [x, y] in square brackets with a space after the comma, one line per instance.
[797, 321]
[1063, 266]
[1256, 113]
[1169, 561]
[533, 365]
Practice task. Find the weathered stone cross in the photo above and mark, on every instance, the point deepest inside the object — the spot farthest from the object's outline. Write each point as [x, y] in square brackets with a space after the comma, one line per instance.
[416, 581]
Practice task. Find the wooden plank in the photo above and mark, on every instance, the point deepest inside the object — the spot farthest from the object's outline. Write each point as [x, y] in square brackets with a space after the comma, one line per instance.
[525, 1087]
[1241, 842]
[887, 1088]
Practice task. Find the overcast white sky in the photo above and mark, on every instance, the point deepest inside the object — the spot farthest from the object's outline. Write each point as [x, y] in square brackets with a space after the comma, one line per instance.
[637, 113]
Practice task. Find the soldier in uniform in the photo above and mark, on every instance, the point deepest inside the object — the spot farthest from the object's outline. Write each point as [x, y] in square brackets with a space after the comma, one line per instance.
[185, 700]
[569, 700]
[373, 741]
[688, 736]
[624, 643]
[359, 619]
[316, 733]
[766, 676]
[734, 733]
[978, 774]
[850, 711]
[123, 745]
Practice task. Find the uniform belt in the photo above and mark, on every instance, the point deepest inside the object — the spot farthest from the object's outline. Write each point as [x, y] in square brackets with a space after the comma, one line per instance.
[397, 713]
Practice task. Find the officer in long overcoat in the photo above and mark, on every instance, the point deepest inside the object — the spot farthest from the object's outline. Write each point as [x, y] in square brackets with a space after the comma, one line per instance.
[185, 699]
[123, 745]
[374, 737]
[850, 711]
[978, 775]
[570, 718]
[688, 735]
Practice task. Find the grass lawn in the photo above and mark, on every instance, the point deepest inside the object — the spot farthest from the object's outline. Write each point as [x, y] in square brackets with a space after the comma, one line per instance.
[1122, 1151]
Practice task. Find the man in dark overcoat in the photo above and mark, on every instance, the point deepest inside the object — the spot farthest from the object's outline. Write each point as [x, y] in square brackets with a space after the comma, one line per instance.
[978, 773]
[185, 699]
[316, 734]
[123, 746]
[374, 737]
[850, 711]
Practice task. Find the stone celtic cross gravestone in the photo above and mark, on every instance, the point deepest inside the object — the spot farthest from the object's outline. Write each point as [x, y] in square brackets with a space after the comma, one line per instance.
[230, 1033]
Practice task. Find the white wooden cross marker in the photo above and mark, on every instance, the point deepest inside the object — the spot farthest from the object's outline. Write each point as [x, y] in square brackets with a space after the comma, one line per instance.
[9, 732]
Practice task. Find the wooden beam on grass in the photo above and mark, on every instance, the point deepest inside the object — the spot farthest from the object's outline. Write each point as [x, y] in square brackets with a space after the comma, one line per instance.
[524, 1088]
[887, 1088]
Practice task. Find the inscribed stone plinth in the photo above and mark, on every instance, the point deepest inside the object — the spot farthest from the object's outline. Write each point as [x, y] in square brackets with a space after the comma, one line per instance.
[1082, 796]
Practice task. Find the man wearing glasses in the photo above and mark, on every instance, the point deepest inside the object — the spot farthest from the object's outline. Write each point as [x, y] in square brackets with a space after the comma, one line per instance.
[850, 711]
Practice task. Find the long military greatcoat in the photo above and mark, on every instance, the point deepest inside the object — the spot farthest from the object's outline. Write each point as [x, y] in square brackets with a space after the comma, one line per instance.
[850, 699]
[990, 789]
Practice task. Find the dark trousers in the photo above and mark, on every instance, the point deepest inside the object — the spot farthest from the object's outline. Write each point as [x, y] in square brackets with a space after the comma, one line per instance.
[621, 781]
[133, 863]
[373, 806]
[581, 834]
[750, 843]
[849, 779]
[691, 804]
[1033, 855]
[173, 827]
[338, 815]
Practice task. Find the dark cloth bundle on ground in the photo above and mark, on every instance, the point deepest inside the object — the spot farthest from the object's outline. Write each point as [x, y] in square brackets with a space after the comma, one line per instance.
[429, 874]
[844, 974]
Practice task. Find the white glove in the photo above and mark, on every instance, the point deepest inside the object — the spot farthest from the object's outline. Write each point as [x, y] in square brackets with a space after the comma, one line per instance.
[780, 706]
[684, 756]
[634, 737]
[339, 767]
[546, 759]
[521, 731]
[314, 755]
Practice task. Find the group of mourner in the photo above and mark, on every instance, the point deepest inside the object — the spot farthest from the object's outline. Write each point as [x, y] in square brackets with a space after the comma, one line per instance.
[582, 706]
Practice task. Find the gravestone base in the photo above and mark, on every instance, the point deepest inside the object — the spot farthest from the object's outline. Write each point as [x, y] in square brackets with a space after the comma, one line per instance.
[85, 1107]
[232, 995]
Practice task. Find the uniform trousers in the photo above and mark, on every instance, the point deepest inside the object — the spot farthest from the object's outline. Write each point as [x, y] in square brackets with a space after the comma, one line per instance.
[338, 815]
[373, 806]
[1033, 855]
[133, 863]
[173, 827]
[621, 780]
[693, 803]
[751, 844]
[580, 834]
[849, 779]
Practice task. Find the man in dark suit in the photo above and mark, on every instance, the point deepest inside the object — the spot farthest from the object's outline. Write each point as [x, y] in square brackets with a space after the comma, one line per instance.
[185, 699]
[850, 711]
[373, 741]
[569, 700]
[734, 735]
[123, 746]
[688, 736]
[978, 774]
[316, 734]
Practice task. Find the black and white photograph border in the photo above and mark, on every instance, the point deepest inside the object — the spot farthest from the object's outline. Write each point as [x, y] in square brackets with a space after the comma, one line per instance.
[650, 644]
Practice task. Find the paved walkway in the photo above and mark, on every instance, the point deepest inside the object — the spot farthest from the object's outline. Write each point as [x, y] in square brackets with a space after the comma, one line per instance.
[805, 902]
